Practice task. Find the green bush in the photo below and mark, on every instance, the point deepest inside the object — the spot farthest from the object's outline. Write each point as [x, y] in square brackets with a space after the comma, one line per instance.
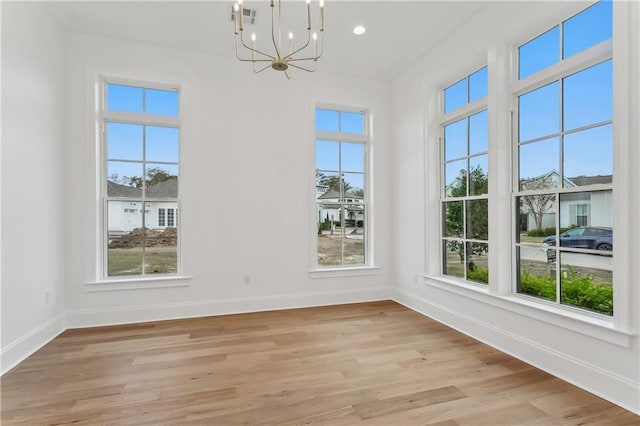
[577, 290]
[536, 233]
[478, 274]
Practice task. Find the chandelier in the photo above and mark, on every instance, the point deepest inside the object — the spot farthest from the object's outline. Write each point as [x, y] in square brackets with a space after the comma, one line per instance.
[280, 57]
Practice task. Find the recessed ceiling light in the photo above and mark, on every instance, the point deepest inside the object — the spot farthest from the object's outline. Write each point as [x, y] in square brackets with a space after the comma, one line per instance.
[359, 30]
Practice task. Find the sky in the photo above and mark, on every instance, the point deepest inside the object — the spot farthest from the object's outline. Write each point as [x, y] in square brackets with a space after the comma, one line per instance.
[546, 113]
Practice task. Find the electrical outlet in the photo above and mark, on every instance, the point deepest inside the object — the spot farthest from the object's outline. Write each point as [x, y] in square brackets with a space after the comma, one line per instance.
[247, 280]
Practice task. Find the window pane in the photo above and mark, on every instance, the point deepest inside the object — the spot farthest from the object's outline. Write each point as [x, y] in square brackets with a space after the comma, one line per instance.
[478, 85]
[478, 133]
[455, 140]
[537, 213]
[595, 209]
[455, 96]
[327, 155]
[588, 97]
[354, 233]
[352, 122]
[124, 98]
[161, 102]
[125, 238]
[537, 276]
[353, 184]
[329, 235]
[161, 244]
[162, 181]
[456, 179]
[539, 163]
[453, 219]
[124, 179]
[454, 258]
[539, 53]
[588, 157]
[478, 262]
[352, 157]
[586, 281]
[327, 186]
[477, 219]
[479, 175]
[124, 141]
[327, 120]
[539, 113]
[161, 144]
[588, 28]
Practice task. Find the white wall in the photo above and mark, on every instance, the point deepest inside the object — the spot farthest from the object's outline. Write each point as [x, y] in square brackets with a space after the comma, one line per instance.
[33, 107]
[247, 149]
[601, 362]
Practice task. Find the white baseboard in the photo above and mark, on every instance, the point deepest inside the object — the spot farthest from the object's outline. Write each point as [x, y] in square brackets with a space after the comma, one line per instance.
[144, 313]
[18, 350]
[614, 388]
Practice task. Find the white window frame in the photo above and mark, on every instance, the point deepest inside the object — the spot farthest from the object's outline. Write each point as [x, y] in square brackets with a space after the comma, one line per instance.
[501, 59]
[367, 268]
[463, 112]
[581, 61]
[106, 116]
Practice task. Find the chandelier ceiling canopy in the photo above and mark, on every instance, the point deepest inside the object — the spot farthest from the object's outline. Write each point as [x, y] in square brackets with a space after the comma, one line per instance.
[300, 53]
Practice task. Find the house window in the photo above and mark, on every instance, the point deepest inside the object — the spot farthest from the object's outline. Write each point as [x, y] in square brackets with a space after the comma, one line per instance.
[140, 170]
[341, 188]
[564, 169]
[464, 198]
[582, 214]
[171, 221]
[161, 217]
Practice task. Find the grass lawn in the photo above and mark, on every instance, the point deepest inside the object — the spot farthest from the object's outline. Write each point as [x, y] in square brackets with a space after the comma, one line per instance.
[157, 260]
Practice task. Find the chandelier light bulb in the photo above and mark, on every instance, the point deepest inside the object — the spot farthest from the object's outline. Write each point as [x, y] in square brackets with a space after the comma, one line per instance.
[253, 36]
[321, 3]
[359, 30]
[290, 35]
[240, 2]
[315, 36]
[236, 7]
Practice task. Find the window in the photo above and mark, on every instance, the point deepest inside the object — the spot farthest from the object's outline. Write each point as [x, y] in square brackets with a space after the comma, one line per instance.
[161, 217]
[341, 188]
[564, 145]
[464, 198]
[140, 145]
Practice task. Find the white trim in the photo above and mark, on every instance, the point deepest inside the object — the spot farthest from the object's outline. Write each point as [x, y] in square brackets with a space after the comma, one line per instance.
[136, 283]
[158, 312]
[610, 386]
[21, 348]
[356, 271]
[593, 325]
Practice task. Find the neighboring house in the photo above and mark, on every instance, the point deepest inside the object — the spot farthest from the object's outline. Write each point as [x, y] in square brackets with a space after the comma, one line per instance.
[576, 209]
[124, 216]
[329, 206]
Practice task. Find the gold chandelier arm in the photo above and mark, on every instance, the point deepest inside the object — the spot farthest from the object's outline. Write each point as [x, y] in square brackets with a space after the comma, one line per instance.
[251, 59]
[287, 74]
[261, 69]
[315, 65]
[309, 58]
[290, 55]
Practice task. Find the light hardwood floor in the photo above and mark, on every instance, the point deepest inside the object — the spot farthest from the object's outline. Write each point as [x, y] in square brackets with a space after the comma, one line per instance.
[371, 363]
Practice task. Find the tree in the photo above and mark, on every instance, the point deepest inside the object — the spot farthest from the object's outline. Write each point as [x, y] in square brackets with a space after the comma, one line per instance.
[154, 176]
[477, 213]
[538, 205]
[333, 183]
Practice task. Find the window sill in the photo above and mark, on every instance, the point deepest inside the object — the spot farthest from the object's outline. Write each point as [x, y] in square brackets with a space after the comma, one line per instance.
[132, 283]
[592, 325]
[356, 271]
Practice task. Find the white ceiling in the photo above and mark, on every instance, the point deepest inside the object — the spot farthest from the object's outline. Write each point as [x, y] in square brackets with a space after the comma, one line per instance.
[397, 32]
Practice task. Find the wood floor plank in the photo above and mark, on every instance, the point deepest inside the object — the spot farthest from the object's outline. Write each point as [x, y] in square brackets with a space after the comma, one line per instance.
[375, 363]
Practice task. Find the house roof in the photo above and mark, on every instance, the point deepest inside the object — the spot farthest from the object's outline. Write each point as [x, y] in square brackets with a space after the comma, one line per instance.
[591, 180]
[164, 189]
[335, 195]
